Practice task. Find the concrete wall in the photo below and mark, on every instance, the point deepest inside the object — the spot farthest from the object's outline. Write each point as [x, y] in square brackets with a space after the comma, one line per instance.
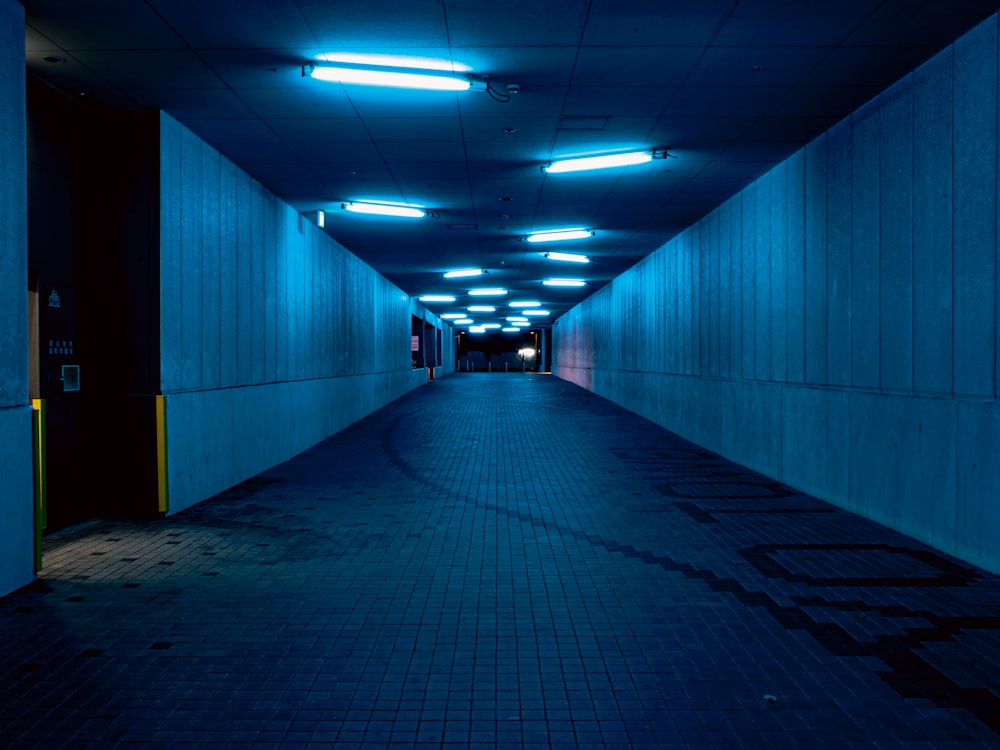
[16, 489]
[272, 336]
[834, 325]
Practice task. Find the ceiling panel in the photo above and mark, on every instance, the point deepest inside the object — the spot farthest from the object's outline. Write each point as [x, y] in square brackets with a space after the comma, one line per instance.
[729, 87]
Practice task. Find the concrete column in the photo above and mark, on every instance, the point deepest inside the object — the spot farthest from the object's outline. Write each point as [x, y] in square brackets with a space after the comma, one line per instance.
[16, 517]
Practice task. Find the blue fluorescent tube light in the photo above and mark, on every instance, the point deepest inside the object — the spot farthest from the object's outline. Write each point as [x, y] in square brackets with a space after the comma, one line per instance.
[463, 273]
[494, 292]
[452, 316]
[436, 298]
[564, 282]
[481, 308]
[385, 209]
[525, 303]
[599, 162]
[371, 75]
[558, 235]
[536, 312]
[462, 321]
[568, 257]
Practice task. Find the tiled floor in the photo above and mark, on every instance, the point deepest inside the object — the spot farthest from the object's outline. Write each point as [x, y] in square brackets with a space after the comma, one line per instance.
[501, 561]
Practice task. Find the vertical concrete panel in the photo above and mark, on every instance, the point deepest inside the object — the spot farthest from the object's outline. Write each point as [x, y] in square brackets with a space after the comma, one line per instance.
[927, 478]
[748, 200]
[673, 302]
[244, 286]
[762, 276]
[191, 288]
[838, 267]
[725, 290]
[258, 299]
[211, 269]
[778, 222]
[228, 273]
[933, 137]
[896, 238]
[700, 306]
[280, 322]
[686, 306]
[171, 298]
[16, 490]
[273, 246]
[876, 456]
[975, 211]
[816, 325]
[17, 532]
[13, 211]
[736, 270]
[865, 247]
[976, 510]
[712, 254]
[795, 280]
[815, 442]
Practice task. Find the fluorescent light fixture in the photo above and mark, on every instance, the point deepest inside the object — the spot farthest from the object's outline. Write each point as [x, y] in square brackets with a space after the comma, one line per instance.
[536, 312]
[525, 303]
[481, 308]
[599, 162]
[564, 282]
[394, 61]
[517, 319]
[463, 273]
[492, 292]
[463, 321]
[452, 316]
[386, 209]
[477, 329]
[490, 325]
[321, 218]
[436, 298]
[511, 329]
[381, 75]
[568, 257]
[558, 235]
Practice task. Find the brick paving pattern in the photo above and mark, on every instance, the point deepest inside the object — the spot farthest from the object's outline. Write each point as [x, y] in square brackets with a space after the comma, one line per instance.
[501, 561]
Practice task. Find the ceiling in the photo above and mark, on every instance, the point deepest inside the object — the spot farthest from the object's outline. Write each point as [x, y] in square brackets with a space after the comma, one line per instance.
[728, 87]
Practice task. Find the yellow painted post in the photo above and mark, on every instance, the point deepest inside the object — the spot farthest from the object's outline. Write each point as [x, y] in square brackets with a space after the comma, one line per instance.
[38, 448]
[161, 454]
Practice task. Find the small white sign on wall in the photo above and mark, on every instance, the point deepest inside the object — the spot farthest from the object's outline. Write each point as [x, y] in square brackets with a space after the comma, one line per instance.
[414, 343]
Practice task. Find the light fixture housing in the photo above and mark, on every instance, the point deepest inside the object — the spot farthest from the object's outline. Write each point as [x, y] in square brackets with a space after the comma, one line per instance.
[539, 313]
[568, 257]
[481, 308]
[405, 210]
[560, 235]
[436, 298]
[386, 75]
[463, 321]
[452, 316]
[603, 161]
[488, 292]
[464, 273]
[564, 282]
[525, 303]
